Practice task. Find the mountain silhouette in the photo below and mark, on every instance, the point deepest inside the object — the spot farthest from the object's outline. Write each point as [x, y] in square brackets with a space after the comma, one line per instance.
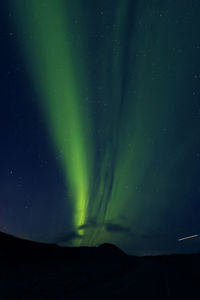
[111, 250]
[13, 248]
[32, 270]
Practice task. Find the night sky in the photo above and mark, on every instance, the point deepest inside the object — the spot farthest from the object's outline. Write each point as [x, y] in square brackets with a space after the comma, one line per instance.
[100, 123]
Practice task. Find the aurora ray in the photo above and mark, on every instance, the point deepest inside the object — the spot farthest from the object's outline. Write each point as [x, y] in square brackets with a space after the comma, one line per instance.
[51, 60]
[109, 77]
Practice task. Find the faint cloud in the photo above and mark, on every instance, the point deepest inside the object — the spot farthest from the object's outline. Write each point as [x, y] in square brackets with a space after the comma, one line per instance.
[114, 227]
[90, 224]
[67, 237]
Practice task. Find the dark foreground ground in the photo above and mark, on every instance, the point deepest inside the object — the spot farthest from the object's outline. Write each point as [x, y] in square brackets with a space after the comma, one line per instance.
[30, 270]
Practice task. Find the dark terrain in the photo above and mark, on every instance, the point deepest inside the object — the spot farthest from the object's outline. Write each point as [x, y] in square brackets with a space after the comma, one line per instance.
[30, 270]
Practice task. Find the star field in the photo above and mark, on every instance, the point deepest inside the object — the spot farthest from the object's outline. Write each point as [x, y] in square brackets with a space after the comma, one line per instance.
[99, 122]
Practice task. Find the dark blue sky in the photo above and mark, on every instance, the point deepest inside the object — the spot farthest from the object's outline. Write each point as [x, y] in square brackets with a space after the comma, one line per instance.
[142, 64]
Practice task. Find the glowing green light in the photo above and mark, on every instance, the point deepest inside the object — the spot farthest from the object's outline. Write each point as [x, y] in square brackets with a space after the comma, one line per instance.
[52, 63]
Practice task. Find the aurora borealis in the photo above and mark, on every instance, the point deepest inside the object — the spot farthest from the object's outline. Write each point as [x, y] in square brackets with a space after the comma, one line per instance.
[115, 118]
[49, 54]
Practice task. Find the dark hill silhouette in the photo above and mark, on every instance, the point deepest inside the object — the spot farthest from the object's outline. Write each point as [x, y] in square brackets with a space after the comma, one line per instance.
[111, 247]
[13, 248]
[32, 270]
[112, 250]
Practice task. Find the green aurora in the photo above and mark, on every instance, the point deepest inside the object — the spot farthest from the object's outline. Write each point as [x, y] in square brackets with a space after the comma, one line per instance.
[110, 115]
[52, 64]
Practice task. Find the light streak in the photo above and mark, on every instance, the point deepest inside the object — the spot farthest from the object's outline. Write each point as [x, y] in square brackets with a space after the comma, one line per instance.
[188, 237]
